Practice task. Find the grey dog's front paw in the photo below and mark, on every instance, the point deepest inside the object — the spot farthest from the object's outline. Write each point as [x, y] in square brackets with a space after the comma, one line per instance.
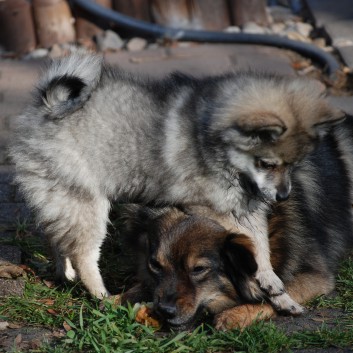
[270, 283]
[285, 304]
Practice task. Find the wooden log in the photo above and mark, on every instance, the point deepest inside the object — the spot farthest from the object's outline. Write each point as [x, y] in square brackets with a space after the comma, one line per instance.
[171, 13]
[209, 15]
[54, 22]
[16, 26]
[192, 14]
[244, 11]
[134, 8]
[86, 30]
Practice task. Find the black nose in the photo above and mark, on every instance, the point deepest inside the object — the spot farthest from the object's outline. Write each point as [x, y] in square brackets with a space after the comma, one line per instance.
[166, 310]
[282, 196]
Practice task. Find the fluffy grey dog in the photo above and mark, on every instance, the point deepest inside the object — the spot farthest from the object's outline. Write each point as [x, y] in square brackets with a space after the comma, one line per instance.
[94, 134]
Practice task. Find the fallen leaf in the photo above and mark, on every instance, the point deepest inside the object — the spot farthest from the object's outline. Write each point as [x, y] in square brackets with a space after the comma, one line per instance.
[18, 340]
[8, 270]
[3, 325]
[46, 301]
[28, 269]
[49, 284]
[319, 319]
[14, 325]
[52, 312]
[66, 326]
[58, 333]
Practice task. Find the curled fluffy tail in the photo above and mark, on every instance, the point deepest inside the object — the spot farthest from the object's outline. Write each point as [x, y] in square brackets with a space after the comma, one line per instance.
[68, 83]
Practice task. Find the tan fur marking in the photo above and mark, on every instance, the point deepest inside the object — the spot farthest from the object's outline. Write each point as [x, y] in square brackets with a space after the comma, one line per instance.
[243, 315]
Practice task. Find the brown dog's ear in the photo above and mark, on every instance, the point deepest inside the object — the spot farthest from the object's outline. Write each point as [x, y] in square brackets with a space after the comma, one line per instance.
[138, 218]
[139, 222]
[238, 257]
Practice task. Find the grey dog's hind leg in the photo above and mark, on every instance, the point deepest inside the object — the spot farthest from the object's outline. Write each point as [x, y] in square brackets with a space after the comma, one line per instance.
[76, 227]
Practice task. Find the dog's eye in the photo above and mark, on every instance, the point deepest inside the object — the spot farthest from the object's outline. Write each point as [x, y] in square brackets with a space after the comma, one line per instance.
[154, 265]
[198, 270]
[260, 163]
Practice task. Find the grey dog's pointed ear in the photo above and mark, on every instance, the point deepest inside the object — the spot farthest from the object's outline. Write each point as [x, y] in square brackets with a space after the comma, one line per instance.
[329, 119]
[251, 130]
[259, 121]
[267, 126]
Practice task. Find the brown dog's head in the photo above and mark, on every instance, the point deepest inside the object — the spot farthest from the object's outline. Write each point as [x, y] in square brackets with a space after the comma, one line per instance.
[189, 265]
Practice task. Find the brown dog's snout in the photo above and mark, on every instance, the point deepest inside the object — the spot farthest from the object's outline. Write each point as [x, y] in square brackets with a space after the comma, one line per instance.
[165, 301]
[166, 309]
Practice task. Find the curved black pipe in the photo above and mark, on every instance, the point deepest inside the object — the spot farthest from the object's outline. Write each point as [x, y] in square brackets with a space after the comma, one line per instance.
[329, 63]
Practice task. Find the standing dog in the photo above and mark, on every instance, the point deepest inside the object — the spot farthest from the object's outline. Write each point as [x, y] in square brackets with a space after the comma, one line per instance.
[93, 134]
[189, 264]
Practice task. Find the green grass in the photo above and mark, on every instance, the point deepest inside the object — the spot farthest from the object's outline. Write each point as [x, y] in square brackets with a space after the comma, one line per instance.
[344, 287]
[113, 329]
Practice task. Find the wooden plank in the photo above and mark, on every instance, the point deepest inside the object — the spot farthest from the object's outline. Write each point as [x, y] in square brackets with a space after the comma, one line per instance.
[210, 15]
[171, 13]
[54, 22]
[244, 11]
[134, 8]
[16, 26]
[86, 29]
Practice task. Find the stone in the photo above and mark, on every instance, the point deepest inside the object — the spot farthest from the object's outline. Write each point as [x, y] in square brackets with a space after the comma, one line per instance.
[37, 54]
[254, 28]
[320, 42]
[278, 28]
[281, 13]
[11, 287]
[136, 44]
[109, 40]
[56, 51]
[232, 29]
[297, 36]
[304, 28]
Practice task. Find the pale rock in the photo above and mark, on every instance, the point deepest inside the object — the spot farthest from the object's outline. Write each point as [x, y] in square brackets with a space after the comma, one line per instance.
[109, 40]
[304, 28]
[37, 54]
[232, 29]
[136, 44]
[281, 13]
[278, 28]
[297, 36]
[254, 28]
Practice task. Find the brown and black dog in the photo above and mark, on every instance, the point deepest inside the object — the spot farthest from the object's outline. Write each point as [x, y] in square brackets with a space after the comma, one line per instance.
[188, 265]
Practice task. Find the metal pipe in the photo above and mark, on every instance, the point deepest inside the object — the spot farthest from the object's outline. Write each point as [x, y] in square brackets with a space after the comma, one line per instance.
[145, 29]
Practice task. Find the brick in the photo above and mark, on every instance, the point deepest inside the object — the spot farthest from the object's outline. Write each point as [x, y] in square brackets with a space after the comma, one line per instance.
[7, 193]
[10, 253]
[11, 213]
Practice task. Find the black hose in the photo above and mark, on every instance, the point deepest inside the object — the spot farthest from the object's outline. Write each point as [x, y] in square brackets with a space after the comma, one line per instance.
[142, 28]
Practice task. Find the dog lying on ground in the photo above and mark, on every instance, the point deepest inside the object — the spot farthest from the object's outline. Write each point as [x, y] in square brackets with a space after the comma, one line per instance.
[189, 264]
[94, 134]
